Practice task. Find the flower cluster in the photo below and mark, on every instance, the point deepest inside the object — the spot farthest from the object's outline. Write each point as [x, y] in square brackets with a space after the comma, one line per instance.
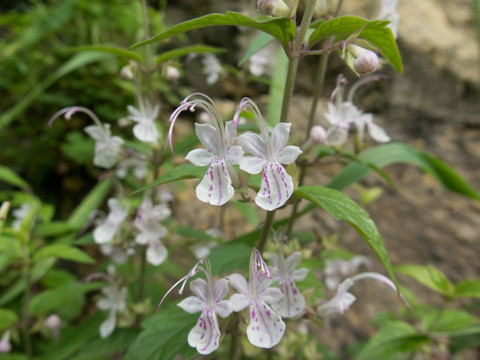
[267, 305]
[269, 154]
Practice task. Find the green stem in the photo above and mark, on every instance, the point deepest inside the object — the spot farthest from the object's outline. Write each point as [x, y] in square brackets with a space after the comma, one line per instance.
[234, 338]
[149, 66]
[143, 266]
[26, 301]
[267, 226]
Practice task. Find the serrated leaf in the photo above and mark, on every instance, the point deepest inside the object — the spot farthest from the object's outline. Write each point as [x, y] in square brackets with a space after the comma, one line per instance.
[182, 172]
[429, 276]
[341, 207]
[7, 318]
[51, 299]
[392, 153]
[164, 337]
[10, 177]
[65, 252]
[375, 32]
[115, 50]
[185, 50]
[283, 29]
[468, 288]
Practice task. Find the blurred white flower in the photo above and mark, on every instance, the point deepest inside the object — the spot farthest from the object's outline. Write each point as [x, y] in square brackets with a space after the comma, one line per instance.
[19, 214]
[107, 147]
[211, 68]
[145, 129]
[113, 300]
[107, 230]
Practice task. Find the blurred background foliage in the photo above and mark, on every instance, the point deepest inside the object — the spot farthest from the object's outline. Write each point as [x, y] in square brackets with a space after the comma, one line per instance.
[37, 52]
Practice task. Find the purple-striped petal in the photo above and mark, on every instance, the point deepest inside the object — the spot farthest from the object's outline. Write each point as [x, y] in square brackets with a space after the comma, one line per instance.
[266, 327]
[276, 187]
[293, 301]
[216, 186]
[205, 335]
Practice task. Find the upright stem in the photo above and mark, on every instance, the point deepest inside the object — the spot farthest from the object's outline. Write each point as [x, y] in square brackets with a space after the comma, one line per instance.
[143, 266]
[294, 58]
[267, 226]
[26, 301]
[149, 67]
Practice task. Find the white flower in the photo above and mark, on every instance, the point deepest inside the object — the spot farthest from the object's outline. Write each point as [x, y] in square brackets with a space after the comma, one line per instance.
[145, 129]
[205, 335]
[137, 162]
[269, 153]
[114, 300]
[293, 301]
[388, 12]
[266, 327]
[260, 62]
[5, 346]
[220, 153]
[107, 230]
[376, 132]
[212, 68]
[151, 231]
[336, 269]
[342, 300]
[107, 147]
[209, 300]
[19, 214]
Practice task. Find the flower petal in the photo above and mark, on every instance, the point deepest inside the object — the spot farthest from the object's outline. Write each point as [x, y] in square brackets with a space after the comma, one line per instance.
[191, 304]
[252, 164]
[280, 136]
[223, 308]
[239, 283]
[234, 155]
[205, 335]
[200, 288]
[293, 301]
[146, 131]
[105, 232]
[300, 274]
[377, 133]
[209, 137]
[292, 261]
[230, 132]
[200, 157]
[272, 295]
[156, 253]
[253, 143]
[289, 154]
[107, 327]
[239, 302]
[216, 186]
[220, 289]
[276, 187]
[266, 327]
[337, 134]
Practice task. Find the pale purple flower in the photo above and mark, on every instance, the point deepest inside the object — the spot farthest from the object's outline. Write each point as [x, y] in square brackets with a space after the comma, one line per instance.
[145, 129]
[388, 12]
[107, 147]
[209, 297]
[151, 230]
[342, 114]
[107, 230]
[220, 153]
[53, 323]
[137, 163]
[343, 299]
[293, 301]
[269, 152]
[113, 300]
[336, 269]
[266, 327]
[211, 68]
[5, 346]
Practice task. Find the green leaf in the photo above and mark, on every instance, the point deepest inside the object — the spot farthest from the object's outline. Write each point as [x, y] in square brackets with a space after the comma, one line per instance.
[248, 211]
[231, 256]
[52, 299]
[12, 246]
[392, 153]
[54, 228]
[76, 62]
[182, 172]
[375, 32]
[468, 288]
[277, 87]
[10, 177]
[182, 51]
[91, 202]
[429, 276]
[393, 337]
[7, 318]
[63, 251]
[115, 50]
[262, 40]
[283, 29]
[447, 322]
[164, 337]
[341, 207]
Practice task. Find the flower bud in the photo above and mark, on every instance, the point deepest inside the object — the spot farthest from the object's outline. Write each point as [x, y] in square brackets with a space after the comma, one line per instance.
[172, 73]
[366, 61]
[126, 72]
[274, 7]
[53, 322]
[318, 135]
